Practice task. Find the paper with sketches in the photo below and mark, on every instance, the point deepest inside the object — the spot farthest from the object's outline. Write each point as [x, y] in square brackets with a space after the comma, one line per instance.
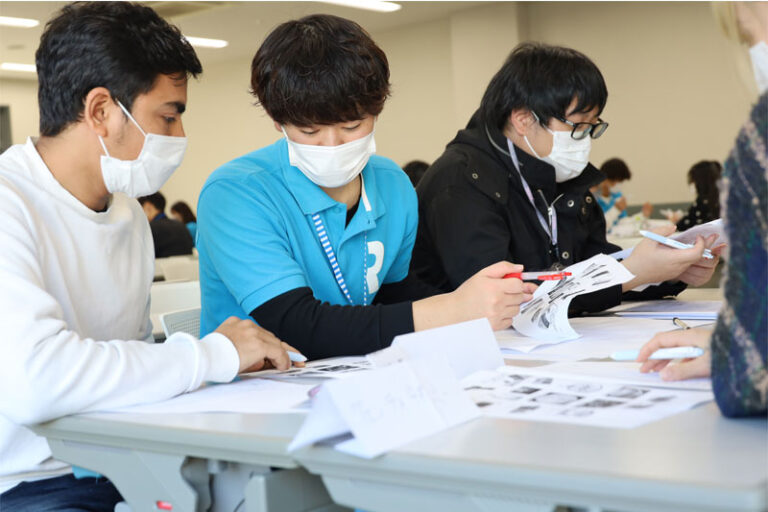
[714, 227]
[319, 371]
[685, 310]
[469, 346]
[626, 372]
[688, 236]
[387, 407]
[247, 395]
[539, 395]
[600, 336]
[545, 316]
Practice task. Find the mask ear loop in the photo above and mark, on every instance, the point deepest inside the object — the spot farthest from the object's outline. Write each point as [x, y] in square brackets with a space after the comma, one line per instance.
[131, 118]
[101, 140]
[103, 146]
[525, 137]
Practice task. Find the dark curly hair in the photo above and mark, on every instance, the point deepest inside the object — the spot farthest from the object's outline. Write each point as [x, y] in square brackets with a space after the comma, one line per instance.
[320, 69]
[121, 46]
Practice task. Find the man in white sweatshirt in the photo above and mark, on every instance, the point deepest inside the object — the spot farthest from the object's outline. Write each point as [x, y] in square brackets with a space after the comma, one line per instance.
[76, 254]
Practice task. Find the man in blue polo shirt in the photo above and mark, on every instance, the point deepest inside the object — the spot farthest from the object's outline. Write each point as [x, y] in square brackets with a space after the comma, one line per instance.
[312, 235]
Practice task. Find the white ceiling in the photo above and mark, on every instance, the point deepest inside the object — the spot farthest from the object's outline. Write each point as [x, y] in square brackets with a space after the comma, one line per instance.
[243, 24]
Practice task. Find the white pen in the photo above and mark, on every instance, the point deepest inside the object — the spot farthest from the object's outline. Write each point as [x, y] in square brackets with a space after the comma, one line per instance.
[673, 243]
[296, 357]
[662, 353]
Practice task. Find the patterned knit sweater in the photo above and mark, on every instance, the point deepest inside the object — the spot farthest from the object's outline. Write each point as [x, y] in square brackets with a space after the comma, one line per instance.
[739, 346]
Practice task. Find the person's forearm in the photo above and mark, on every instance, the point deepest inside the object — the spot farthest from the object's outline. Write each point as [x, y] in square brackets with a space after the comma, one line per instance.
[432, 312]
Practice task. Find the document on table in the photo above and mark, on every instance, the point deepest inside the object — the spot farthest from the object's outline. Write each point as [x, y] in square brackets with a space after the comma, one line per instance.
[247, 395]
[411, 391]
[688, 236]
[545, 316]
[625, 372]
[600, 336]
[685, 310]
[316, 372]
[387, 407]
[540, 395]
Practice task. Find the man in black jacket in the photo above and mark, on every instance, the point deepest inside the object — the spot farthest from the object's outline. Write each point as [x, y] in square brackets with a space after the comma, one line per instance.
[514, 185]
[171, 237]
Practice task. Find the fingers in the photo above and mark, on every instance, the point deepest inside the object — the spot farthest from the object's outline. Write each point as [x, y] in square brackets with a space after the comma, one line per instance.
[276, 354]
[292, 349]
[500, 269]
[653, 365]
[665, 230]
[664, 340]
[691, 369]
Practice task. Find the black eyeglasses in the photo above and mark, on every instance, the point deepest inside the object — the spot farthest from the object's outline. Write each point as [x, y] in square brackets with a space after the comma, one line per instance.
[582, 130]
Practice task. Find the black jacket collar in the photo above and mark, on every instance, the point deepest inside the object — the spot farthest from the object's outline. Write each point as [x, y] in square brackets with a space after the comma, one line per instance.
[540, 175]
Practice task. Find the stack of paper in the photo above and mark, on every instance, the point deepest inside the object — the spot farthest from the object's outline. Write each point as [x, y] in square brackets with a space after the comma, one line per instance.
[545, 316]
[685, 310]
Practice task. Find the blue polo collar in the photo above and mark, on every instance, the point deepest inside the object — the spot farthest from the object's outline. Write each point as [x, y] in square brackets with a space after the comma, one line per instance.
[312, 199]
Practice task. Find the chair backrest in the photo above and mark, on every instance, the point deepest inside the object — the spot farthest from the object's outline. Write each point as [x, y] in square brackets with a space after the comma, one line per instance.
[180, 269]
[167, 297]
[186, 320]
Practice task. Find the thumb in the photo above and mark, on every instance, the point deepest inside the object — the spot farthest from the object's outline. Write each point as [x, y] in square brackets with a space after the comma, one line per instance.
[665, 230]
[500, 269]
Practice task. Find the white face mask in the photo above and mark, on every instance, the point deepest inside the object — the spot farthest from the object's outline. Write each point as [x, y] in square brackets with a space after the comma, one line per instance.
[569, 156]
[616, 189]
[159, 157]
[331, 166]
[759, 56]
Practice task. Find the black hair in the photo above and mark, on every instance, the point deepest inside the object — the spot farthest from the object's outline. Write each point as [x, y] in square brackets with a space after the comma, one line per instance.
[320, 69]
[157, 200]
[544, 79]
[121, 46]
[616, 169]
[184, 211]
[415, 169]
[705, 175]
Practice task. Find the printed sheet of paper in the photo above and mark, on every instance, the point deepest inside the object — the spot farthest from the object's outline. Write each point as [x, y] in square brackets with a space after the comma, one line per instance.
[247, 395]
[387, 407]
[627, 373]
[469, 346]
[600, 337]
[545, 316]
[411, 390]
[686, 310]
[539, 395]
[688, 236]
[316, 372]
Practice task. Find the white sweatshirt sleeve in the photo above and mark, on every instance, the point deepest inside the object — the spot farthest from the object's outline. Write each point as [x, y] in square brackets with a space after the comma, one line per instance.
[47, 370]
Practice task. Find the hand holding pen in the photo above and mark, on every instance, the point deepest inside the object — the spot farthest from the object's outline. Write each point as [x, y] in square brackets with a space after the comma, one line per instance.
[685, 340]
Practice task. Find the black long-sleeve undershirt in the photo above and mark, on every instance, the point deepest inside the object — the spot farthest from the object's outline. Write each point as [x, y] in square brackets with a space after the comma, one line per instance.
[319, 329]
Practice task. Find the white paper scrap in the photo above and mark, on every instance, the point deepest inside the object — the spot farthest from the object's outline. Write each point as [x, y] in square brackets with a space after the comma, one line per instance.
[387, 407]
[536, 394]
[469, 347]
[545, 316]
[247, 395]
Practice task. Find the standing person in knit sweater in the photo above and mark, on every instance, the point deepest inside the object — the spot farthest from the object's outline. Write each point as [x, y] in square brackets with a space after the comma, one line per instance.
[738, 360]
[77, 262]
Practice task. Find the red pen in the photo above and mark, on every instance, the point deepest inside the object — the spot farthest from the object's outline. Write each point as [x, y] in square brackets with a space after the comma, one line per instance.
[539, 276]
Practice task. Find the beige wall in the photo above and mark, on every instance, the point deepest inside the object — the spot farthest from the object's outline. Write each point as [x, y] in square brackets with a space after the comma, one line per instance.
[21, 97]
[675, 94]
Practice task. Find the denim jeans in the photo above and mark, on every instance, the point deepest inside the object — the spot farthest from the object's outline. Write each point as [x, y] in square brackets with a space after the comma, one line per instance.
[61, 494]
